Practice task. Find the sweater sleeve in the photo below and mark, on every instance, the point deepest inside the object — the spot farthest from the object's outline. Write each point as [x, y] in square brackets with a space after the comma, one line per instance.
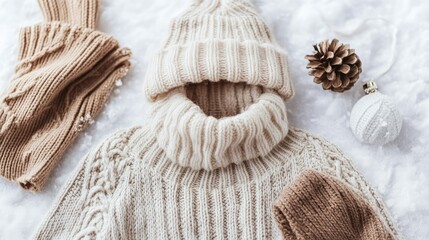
[91, 195]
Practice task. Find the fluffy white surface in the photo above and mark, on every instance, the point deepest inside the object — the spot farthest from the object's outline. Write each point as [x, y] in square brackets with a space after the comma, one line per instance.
[398, 170]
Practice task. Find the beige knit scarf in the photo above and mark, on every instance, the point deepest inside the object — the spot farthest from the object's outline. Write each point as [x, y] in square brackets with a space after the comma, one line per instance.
[65, 74]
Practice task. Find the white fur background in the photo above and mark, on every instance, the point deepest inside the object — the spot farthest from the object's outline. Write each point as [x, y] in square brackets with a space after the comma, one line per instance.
[399, 171]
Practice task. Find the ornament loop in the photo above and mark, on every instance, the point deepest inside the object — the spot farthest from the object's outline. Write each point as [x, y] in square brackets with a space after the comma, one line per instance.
[370, 87]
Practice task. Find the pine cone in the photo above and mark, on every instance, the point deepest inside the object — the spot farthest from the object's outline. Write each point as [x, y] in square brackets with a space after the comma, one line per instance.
[334, 65]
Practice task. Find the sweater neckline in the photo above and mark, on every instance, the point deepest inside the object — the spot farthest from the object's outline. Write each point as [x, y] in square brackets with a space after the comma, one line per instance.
[191, 138]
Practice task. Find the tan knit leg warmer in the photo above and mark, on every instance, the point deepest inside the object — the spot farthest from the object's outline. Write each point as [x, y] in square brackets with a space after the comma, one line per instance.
[65, 74]
[318, 206]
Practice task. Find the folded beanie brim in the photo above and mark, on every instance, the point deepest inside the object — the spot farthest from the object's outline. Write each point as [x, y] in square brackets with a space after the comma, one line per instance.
[216, 41]
[216, 60]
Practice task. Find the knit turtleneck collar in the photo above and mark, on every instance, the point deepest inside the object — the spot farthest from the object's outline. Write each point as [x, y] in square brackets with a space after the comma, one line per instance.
[215, 125]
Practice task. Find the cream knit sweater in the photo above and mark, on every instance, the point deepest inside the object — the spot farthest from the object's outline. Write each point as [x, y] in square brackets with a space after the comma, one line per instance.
[217, 150]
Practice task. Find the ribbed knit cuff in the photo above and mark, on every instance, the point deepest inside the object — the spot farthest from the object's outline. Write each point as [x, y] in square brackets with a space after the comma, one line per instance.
[217, 60]
[82, 13]
[46, 38]
[318, 206]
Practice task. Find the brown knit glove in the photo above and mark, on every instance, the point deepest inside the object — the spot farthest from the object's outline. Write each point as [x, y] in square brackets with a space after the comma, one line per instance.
[317, 206]
[65, 74]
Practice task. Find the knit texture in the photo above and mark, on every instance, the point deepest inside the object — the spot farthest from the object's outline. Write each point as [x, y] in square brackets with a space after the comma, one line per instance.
[375, 119]
[215, 153]
[318, 206]
[136, 186]
[217, 142]
[65, 74]
[129, 189]
[219, 40]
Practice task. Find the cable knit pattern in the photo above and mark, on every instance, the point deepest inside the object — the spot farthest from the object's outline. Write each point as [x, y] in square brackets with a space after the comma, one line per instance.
[105, 171]
[167, 201]
[96, 185]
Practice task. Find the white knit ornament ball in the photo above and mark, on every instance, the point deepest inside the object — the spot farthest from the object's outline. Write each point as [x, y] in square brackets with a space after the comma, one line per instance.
[374, 118]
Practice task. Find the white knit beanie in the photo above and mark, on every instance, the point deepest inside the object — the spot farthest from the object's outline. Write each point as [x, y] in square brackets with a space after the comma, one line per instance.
[218, 40]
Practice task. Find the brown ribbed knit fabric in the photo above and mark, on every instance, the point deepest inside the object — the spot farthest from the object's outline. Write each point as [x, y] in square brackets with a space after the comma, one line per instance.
[65, 74]
[317, 206]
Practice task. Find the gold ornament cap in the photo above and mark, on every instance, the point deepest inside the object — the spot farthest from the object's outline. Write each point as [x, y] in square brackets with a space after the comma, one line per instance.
[370, 87]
